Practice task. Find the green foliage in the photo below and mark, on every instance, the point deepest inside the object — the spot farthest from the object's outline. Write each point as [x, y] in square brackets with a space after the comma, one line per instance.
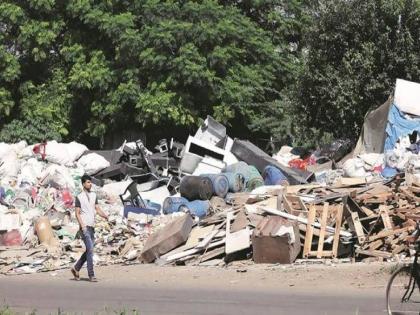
[87, 67]
[30, 130]
[356, 51]
[306, 68]
[48, 102]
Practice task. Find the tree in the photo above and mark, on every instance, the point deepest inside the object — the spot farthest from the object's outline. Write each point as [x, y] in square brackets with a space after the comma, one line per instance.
[356, 51]
[91, 67]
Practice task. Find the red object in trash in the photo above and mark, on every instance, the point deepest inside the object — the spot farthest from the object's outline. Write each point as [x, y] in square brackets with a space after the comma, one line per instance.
[12, 238]
[40, 148]
[378, 169]
[299, 164]
[302, 164]
[67, 198]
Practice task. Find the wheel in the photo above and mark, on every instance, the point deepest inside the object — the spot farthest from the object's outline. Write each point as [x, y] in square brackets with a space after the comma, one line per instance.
[399, 286]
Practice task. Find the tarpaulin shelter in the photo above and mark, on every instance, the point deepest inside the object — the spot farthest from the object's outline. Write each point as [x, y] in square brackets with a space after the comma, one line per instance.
[399, 116]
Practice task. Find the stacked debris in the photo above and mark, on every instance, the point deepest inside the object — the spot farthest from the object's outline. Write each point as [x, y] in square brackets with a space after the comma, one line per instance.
[280, 224]
[211, 201]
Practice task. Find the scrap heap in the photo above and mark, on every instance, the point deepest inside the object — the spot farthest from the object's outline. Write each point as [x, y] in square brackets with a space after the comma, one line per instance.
[214, 199]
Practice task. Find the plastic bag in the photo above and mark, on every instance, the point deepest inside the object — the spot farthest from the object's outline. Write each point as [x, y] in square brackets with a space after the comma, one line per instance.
[76, 150]
[58, 177]
[92, 163]
[30, 172]
[354, 168]
[10, 165]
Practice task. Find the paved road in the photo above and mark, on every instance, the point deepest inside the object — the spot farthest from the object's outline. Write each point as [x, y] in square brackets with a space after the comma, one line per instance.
[24, 293]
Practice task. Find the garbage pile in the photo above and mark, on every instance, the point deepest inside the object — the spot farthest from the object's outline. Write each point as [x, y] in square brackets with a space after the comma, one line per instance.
[208, 202]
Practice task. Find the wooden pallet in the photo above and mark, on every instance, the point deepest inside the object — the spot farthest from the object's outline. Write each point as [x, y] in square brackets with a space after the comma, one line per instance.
[320, 252]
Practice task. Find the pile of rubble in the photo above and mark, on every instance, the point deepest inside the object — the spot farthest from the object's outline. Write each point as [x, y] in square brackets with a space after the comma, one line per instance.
[208, 202]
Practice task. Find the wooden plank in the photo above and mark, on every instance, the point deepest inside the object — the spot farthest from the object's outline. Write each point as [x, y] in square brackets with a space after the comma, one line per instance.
[398, 239]
[193, 251]
[358, 228]
[398, 249]
[303, 220]
[302, 227]
[212, 254]
[348, 182]
[236, 241]
[206, 241]
[197, 234]
[302, 205]
[374, 253]
[296, 188]
[375, 245]
[390, 233]
[324, 218]
[240, 222]
[383, 212]
[367, 211]
[309, 231]
[288, 206]
[338, 222]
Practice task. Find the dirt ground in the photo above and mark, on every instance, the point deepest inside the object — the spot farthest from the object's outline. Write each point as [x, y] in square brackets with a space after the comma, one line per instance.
[242, 287]
[242, 274]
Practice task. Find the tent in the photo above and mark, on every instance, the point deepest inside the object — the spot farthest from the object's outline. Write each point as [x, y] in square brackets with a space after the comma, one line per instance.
[399, 116]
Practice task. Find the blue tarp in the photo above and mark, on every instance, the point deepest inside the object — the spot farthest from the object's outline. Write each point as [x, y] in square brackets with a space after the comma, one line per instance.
[398, 126]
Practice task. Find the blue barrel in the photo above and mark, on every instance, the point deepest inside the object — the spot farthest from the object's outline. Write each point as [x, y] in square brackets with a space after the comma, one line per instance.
[254, 179]
[236, 181]
[273, 176]
[389, 172]
[240, 167]
[220, 184]
[172, 204]
[198, 208]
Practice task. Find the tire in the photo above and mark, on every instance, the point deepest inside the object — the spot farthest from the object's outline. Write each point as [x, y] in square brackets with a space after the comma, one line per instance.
[396, 288]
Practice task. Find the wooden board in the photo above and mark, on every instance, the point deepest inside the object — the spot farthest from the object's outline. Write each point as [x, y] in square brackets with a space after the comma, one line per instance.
[390, 233]
[374, 253]
[338, 222]
[309, 231]
[197, 234]
[324, 218]
[320, 252]
[358, 228]
[347, 182]
[236, 241]
[375, 245]
[240, 222]
[367, 211]
[383, 212]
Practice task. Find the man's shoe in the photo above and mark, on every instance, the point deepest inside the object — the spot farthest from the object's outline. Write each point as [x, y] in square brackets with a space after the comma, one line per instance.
[75, 274]
[93, 279]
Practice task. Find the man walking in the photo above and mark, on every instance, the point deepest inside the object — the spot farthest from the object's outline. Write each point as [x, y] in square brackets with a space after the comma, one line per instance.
[86, 207]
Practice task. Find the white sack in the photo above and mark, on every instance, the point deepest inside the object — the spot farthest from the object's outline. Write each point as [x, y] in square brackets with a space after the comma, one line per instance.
[31, 171]
[354, 168]
[58, 177]
[92, 163]
[9, 165]
[76, 150]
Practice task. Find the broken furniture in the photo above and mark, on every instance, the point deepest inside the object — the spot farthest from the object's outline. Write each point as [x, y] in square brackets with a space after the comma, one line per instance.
[168, 238]
[133, 202]
[276, 240]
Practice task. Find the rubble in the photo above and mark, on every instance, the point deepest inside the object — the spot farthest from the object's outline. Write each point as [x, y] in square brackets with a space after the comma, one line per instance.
[213, 201]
